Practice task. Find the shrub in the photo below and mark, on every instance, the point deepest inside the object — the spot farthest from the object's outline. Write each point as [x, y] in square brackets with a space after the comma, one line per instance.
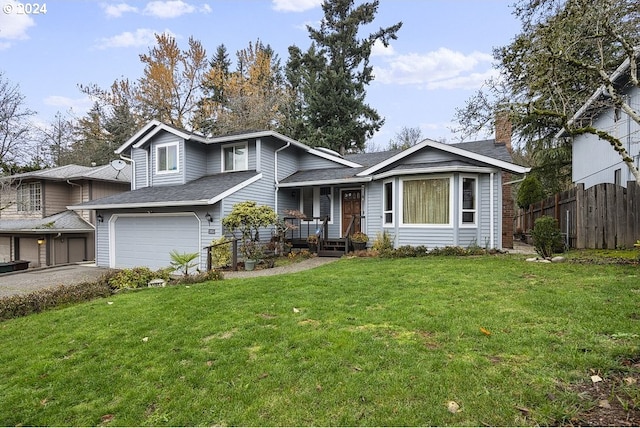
[546, 236]
[383, 242]
[212, 275]
[38, 301]
[221, 253]
[529, 192]
[136, 277]
[183, 261]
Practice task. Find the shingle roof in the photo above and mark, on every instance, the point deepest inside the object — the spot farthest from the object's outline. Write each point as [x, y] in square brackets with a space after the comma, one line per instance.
[487, 148]
[78, 172]
[66, 221]
[195, 192]
[319, 175]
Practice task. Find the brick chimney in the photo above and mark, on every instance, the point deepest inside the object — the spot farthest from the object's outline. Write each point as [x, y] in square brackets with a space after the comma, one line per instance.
[503, 137]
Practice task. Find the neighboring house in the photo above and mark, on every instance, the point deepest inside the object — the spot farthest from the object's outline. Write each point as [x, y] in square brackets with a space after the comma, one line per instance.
[35, 224]
[594, 160]
[184, 184]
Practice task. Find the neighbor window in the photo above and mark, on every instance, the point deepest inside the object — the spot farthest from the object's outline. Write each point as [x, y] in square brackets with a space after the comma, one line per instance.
[387, 200]
[469, 201]
[316, 202]
[29, 197]
[167, 158]
[426, 201]
[235, 157]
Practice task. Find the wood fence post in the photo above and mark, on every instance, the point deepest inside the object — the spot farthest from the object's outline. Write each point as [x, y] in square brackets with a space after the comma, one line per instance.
[580, 214]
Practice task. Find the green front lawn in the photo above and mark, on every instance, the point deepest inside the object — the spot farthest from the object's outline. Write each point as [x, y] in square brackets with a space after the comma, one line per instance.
[356, 342]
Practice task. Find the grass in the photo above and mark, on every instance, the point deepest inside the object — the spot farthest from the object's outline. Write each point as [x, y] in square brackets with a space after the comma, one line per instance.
[356, 342]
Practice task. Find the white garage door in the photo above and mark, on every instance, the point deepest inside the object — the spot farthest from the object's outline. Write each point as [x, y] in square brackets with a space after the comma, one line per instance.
[148, 240]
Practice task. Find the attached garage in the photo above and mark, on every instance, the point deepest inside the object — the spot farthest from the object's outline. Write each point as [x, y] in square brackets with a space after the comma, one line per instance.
[147, 239]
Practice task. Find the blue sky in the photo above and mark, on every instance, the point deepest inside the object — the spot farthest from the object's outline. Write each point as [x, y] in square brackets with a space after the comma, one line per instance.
[441, 57]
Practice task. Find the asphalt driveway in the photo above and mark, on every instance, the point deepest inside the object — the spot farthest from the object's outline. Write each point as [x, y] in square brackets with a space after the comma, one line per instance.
[27, 281]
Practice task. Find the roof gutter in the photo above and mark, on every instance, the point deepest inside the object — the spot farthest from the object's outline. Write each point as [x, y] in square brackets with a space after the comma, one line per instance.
[133, 170]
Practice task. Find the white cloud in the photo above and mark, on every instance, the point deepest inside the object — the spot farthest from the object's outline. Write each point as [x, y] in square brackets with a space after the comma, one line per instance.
[294, 5]
[117, 10]
[141, 37]
[13, 25]
[173, 8]
[379, 49]
[441, 69]
[79, 105]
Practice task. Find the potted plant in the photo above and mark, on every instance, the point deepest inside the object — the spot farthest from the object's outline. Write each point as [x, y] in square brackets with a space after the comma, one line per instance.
[312, 241]
[252, 252]
[359, 240]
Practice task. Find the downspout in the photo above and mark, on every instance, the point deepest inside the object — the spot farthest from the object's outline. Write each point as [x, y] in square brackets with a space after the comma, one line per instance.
[491, 212]
[275, 174]
[133, 170]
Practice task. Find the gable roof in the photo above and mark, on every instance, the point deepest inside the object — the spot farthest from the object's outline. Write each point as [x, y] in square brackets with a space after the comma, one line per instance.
[617, 76]
[154, 127]
[203, 191]
[64, 222]
[77, 172]
[487, 152]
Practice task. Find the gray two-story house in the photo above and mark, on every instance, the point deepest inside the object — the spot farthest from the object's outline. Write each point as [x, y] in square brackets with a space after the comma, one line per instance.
[184, 184]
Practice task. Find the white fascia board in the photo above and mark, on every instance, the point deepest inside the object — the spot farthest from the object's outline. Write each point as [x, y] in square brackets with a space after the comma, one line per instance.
[198, 202]
[436, 170]
[336, 159]
[137, 136]
[162, 127]
[450, 149]
[234, 189]
[325, 182]
[395, 158]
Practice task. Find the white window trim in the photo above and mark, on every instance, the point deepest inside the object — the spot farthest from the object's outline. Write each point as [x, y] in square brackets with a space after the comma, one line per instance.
[462, 210]
[400, 198]
[393, 203]
[245, 167]
[175, 144]
[316, 204]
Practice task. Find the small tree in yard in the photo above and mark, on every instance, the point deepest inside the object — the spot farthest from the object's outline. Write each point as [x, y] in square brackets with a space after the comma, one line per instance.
[183, 261]
[245, 221]
[546, 236]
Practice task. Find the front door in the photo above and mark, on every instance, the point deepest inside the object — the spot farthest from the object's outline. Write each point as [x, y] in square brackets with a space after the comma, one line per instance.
[351, 206]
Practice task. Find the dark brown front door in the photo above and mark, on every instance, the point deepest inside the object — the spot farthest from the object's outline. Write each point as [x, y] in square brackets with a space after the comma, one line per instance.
[351, 206]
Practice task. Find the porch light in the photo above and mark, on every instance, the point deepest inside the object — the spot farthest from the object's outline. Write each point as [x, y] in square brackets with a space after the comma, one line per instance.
[99, 218]
[41, 241]
[208, 217]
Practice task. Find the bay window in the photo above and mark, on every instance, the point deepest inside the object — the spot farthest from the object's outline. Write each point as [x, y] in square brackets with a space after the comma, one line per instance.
[426, 201]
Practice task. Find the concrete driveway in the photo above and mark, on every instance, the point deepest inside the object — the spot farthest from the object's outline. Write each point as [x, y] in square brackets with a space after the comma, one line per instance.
[27, 281]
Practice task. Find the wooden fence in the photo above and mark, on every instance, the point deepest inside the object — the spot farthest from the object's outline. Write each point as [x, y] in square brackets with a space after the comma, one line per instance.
[602, 216]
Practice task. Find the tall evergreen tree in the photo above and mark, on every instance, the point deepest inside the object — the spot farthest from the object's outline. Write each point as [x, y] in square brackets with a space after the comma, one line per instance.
[332, 75]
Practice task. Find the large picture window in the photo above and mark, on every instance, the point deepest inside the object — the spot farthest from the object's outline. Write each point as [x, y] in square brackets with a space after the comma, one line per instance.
[167, 158]
[469, 201]
[29, 197]
[235, 157]
[426, 201]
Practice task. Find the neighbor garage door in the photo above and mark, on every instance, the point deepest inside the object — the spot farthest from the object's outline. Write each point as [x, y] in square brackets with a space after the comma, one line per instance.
[148, 240]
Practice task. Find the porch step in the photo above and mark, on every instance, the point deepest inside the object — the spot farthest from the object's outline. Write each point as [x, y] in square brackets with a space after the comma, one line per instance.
[333, 248]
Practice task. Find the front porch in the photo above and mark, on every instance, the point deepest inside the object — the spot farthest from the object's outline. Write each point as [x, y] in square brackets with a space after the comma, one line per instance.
[313, 233]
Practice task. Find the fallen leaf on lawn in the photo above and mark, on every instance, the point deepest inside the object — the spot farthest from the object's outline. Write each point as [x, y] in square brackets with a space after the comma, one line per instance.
[263, 376]
[319, 388]
[604, 404]
[43, 401]
[209, 363]
[296, 310]
[145, 339]
[109, 303]
[596, 379]
[356, 368]
[453, 407]
[485, 331]
[107, 418]
[524, 410]
[630, 380]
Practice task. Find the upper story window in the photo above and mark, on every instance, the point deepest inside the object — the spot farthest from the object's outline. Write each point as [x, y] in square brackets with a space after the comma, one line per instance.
[426, 202]
[235, 157]
[167, 158]
[29, 197]
[469, 201]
